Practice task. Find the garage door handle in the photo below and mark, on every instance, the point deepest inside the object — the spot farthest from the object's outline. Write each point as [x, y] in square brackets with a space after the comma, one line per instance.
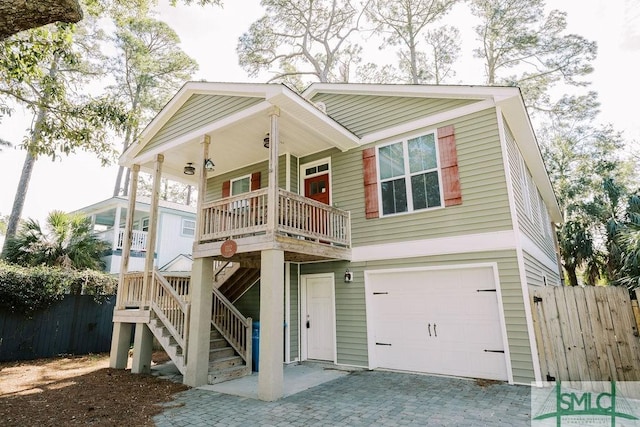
[308, 324]
[429, 326]
[494, 351]
[383, 343]
[434, 330]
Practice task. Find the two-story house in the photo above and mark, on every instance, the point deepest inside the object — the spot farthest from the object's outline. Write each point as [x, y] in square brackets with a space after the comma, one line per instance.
[174, 240]
[385, 226]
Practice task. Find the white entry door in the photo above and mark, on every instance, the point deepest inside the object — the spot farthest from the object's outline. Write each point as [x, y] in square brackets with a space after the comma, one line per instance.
[318, 317]
[443, 321]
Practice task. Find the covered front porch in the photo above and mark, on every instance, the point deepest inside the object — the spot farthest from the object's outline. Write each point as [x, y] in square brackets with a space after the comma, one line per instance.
[258, 228]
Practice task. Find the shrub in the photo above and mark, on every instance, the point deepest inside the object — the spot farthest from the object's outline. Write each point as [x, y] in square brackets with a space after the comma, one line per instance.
[34, 288]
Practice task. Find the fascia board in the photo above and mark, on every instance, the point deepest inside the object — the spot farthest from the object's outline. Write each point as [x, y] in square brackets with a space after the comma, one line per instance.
[426, 91]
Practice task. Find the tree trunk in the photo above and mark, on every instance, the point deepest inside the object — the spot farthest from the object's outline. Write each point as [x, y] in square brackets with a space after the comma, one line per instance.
[16, 15]
[573, 278]
[21, 195]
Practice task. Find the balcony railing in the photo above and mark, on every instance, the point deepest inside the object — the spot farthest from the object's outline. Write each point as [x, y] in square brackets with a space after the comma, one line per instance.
[297, 216]
[138, 239]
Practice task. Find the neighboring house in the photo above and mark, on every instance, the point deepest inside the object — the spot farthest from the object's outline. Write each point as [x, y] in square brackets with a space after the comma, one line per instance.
[176, 228]
[390, 226]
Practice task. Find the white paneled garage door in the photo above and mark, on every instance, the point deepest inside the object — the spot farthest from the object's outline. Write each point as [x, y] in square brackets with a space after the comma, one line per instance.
[437, 321]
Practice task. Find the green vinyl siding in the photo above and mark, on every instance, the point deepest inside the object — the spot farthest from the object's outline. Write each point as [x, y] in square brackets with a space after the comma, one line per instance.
[214, 184]
[535, 271]
[249, 303]
[484, 208]
[365, 114]
[351, 327]
[198, 111]
[529, 204]
[294, 312]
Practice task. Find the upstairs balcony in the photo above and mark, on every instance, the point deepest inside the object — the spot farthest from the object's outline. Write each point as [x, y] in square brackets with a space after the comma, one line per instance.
[305, 229]
[138, 239]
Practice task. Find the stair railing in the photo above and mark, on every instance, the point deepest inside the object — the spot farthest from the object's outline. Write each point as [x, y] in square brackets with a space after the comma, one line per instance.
[233, 326]
[172, 310]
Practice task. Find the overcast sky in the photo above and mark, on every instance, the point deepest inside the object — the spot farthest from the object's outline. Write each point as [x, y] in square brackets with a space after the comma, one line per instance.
[210, 36]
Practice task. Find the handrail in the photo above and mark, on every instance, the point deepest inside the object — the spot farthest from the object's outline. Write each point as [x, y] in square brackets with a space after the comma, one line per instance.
[233, 326]
[171, 309]
[130, 292]
[297, 216]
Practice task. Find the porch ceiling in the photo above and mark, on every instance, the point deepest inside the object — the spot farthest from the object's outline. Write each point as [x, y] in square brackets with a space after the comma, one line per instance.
[237, 138]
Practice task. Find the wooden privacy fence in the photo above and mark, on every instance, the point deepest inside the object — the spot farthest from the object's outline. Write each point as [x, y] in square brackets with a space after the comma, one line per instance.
[75, 325]
[586, 334]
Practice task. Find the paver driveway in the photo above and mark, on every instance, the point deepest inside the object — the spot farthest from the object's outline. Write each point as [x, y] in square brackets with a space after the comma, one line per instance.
[363, 398]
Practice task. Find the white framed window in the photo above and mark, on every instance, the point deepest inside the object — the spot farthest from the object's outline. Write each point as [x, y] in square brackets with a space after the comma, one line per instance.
[409, 175]
[188, 227]
[145, 224]
[241, 185]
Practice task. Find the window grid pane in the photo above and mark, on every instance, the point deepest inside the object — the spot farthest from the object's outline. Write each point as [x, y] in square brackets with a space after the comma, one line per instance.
[391, 161]
[422, 153]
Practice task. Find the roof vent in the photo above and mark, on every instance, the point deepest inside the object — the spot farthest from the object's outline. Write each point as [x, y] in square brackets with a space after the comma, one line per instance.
[321, 106]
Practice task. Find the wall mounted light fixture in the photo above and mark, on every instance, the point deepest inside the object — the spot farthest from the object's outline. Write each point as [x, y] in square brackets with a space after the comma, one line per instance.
[189, 169]
[266, 140]
[208, 165]
[348, 276]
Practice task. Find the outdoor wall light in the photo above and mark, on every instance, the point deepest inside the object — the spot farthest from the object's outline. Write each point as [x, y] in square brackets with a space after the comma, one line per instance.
[348, 276]
[189, 169]
[265, 141]
[208, 165]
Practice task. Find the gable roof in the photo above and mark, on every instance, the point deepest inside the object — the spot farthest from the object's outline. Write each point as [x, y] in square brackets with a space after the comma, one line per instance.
[325, 115]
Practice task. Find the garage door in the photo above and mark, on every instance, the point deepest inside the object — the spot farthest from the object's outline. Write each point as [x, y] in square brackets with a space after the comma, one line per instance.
[437, 321]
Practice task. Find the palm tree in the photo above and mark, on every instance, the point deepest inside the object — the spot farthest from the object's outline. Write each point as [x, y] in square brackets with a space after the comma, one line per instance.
[66, 241]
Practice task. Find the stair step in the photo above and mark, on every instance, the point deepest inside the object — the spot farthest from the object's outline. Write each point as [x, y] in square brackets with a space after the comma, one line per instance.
[225, 362]
[214, 334]
[232, 373]
[218, 343]
[217, 353]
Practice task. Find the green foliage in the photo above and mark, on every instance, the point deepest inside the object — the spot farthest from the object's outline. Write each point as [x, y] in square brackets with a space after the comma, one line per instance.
[66, 241]
[34, 288]
[517, 36]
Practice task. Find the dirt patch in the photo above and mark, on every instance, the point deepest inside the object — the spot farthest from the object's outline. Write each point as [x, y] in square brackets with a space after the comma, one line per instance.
[80, 390]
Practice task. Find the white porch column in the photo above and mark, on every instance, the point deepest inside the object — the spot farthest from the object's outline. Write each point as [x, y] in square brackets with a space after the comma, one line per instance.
[121, 337]
[153, 227]
[272, 192]
[200, 291]
[202, 186]
[116, 228]
[270, 375]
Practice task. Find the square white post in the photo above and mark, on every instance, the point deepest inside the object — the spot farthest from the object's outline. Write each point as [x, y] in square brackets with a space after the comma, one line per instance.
[270, 375]
[201, 289]
[142, 349]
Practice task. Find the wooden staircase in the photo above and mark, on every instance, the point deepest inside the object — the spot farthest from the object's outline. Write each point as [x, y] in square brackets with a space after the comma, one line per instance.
[224, 363]
[230, 352]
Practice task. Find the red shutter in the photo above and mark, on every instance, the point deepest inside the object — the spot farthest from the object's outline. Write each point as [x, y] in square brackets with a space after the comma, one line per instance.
[370, 183]
[255, 181]
[449, 166]
[226, 189]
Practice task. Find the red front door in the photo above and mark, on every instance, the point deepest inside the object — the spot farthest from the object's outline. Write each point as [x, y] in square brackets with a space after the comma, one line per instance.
[317, 188]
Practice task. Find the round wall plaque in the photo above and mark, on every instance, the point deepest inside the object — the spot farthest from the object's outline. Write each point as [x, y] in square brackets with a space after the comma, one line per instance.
[228, 248]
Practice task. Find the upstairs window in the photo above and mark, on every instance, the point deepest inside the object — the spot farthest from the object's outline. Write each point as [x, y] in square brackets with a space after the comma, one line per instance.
[188, 227]
[409, 177]
[240, 185]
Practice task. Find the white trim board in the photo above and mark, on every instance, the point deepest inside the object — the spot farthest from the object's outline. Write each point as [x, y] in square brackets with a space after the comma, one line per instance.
[481, 242]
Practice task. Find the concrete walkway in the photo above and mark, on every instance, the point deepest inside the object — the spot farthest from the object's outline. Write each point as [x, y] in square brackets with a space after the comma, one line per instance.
[361, 398]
